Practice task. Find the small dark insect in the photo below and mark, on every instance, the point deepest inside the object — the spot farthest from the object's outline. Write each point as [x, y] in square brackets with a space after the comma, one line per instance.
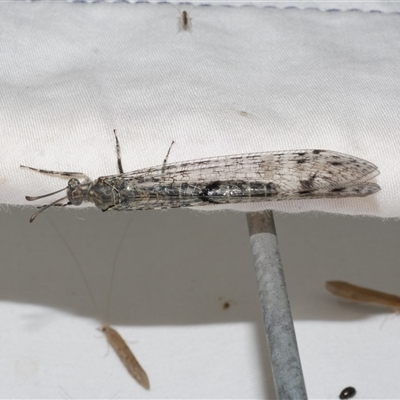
[347, 393]
[226, 305]
[185, 22]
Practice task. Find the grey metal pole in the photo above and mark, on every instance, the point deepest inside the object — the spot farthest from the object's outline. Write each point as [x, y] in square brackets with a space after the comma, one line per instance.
[278, 321]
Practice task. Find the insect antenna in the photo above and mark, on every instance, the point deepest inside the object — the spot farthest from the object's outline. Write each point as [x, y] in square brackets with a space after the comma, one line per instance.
[33, 198]
[113, 269]
[44, 208]
[79, 266]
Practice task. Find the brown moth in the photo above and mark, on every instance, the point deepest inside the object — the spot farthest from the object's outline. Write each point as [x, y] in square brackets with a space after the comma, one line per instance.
[363, 295]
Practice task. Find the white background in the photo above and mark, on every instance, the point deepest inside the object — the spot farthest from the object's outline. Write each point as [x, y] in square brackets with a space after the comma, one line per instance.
[70, 73]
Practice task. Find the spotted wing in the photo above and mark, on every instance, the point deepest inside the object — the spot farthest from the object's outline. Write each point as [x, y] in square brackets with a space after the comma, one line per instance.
[288, 173]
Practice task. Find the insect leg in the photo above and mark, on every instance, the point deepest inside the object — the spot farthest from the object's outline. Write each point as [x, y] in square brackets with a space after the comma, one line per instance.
[164, 164]
[117, 146]
[59, 173]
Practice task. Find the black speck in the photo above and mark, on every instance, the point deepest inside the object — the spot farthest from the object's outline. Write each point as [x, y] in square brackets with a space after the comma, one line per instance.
[226, 305]
[317, 151]
[301, 154]
[301, 161]
[336, 163]
[347, 393]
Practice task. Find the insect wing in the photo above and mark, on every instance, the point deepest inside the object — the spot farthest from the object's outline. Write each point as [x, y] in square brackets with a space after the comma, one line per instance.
[289, 173]
[126, 356]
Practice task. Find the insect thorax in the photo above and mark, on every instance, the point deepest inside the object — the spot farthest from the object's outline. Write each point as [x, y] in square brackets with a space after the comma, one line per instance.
[114, 193]
[98, 192]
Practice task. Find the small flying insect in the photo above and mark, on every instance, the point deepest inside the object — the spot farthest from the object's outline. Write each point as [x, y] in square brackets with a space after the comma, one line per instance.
[363, 295]
[184, 22]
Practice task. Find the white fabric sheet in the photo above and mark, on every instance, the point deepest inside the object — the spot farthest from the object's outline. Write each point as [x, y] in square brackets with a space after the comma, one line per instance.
[71, 73]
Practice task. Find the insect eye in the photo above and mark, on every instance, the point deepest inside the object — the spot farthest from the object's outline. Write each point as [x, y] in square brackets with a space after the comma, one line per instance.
[73, 183]
[74, 192]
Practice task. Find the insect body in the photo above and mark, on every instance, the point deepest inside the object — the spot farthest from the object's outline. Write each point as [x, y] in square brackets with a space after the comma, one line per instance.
[243, 178]
[363, 295]
[185, 22]
[126, 356]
